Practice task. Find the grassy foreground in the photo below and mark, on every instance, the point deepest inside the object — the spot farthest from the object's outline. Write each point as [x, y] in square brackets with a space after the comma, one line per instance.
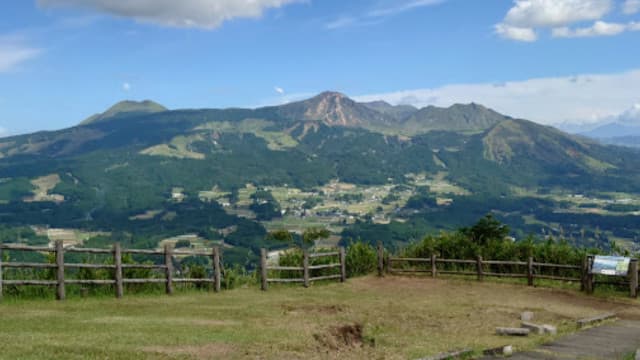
[402, 317]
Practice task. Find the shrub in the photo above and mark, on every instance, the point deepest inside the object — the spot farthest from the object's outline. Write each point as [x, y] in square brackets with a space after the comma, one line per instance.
[183, 244]
[236, 276]
[361, 259]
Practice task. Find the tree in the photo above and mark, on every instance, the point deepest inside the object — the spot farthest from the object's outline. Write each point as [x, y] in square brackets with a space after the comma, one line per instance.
[312, 234]
[486, 229]
[280, 235]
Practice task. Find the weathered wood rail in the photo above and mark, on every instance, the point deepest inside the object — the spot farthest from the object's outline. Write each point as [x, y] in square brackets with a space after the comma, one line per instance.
[306, 269]
[481, 268]
[117, 267]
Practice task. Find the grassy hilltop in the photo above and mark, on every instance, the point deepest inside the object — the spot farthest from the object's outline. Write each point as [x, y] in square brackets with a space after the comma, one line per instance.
[401, 318]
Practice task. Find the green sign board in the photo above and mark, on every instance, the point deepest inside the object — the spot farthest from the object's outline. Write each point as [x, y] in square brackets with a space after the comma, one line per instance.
[610, 265]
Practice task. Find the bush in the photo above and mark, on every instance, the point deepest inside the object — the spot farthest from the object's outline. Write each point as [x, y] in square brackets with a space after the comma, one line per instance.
[183, 244]
[236, 276]
[361, 259]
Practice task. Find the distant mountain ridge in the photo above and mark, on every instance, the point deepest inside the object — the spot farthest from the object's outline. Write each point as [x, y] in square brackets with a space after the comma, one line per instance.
[131, 160]
[336, 109]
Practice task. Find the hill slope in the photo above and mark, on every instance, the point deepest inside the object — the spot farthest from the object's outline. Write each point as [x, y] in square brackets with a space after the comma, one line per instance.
[187, 171]
[126, 107]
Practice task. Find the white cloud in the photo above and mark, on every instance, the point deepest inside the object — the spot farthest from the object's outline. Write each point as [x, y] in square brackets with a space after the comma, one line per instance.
[631, 7]
[527, 17]
[126, 86]
[574, 99]
[14, 52]
[555, 13]
[279, 90]
[516, 33]
[376, 15]
[631, 116]
[599, 28]
[206, 14]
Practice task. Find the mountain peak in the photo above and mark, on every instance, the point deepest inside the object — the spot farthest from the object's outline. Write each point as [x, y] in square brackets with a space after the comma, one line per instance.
[126, 107]
[457, 117]
[333, 109]
[332, 95]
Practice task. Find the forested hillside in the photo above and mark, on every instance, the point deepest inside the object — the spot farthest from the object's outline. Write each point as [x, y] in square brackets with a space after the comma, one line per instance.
[140, 174]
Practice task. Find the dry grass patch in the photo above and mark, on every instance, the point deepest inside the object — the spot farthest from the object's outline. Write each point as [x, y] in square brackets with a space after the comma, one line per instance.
[404, 317]
[209, 351]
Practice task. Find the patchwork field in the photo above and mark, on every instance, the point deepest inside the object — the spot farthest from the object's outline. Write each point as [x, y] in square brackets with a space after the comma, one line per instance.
[392, 318]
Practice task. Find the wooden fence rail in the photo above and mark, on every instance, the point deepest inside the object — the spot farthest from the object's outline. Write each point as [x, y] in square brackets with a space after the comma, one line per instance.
[118, 279]
[306, 269]
[532, 270]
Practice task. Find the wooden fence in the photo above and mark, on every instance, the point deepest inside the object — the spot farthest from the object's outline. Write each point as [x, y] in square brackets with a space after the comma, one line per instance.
[118, 280]
[306, 269]
[532, 270]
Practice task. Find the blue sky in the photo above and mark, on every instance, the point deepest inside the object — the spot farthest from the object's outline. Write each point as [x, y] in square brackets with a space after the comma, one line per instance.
[548, 60]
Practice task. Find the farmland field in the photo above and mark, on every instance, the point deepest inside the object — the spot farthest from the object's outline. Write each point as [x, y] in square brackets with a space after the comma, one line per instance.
[401, 317]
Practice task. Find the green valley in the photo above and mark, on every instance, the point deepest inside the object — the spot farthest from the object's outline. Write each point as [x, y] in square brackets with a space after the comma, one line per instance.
[143, 175]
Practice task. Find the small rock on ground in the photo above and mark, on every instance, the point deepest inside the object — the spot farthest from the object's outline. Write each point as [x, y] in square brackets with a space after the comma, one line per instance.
[526, 316]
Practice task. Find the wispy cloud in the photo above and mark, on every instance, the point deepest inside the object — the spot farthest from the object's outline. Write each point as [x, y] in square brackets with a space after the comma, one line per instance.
[206, 14]
[400, 7]
[377, 15]
[584, 98]
[279, 90]
[631, 7]
[14, 51]
[599, 28]
[126, 86]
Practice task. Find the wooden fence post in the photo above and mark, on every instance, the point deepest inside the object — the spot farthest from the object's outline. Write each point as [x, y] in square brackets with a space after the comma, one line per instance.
[305, 267]
[168, 263]
[216, 268]
[117, 261]
[263, 269]
[633, 283]
[389, 269]
[343, 264]
[589, 283]
[60, 293]
[380, 259]
[583, 273]
[434, 268]
[480, 270]
[530, 271]
[0, 273]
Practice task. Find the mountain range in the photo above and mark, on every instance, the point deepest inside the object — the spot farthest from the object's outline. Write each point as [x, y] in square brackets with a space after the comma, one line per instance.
[134, 157]
[623, 129]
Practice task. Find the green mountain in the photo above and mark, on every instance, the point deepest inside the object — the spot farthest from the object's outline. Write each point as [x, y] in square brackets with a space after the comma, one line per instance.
[471, 117]
[127, 108]
[399, 112]
[143, 173]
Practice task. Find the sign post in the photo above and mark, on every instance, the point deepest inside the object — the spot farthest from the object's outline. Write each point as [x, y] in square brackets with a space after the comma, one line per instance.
[611, 265]
[615, 266]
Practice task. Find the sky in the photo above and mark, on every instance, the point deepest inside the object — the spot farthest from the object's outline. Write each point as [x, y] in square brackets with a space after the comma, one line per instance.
[551, 61]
